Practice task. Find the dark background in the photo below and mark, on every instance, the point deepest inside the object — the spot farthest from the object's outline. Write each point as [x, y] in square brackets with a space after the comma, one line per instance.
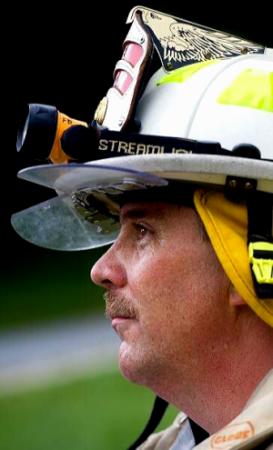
[64, 55]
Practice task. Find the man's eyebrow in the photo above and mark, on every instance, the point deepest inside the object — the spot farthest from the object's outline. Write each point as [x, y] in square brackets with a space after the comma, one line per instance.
[140, 212]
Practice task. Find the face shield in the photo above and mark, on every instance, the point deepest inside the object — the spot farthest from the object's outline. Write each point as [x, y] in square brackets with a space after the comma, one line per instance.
[85, 214]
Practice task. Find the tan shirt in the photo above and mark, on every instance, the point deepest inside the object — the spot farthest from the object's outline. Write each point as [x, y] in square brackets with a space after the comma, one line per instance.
[245, 432]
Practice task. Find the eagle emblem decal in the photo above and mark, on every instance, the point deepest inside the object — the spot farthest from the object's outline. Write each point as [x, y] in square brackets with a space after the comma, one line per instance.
[180, 42]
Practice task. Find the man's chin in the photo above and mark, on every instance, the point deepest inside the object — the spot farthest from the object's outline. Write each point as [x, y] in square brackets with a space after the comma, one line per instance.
[130, 366]
[125, 357]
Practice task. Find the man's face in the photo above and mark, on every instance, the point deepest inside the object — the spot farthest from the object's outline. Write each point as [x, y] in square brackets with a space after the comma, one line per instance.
[166, 292]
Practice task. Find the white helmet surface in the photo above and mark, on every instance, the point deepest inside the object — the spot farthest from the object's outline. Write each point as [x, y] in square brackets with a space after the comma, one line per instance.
[227, 101]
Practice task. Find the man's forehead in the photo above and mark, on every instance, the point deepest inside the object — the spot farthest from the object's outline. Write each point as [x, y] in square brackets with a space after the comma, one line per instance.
[154, 209]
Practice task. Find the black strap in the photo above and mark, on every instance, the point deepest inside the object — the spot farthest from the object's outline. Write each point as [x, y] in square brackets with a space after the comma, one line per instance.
[157, 413]
[260, 230]
[95, 142]
[198, 432]
[260, 217]
[118, 143]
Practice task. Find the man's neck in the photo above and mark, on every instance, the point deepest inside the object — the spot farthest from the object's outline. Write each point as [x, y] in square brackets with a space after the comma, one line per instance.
[218, 392]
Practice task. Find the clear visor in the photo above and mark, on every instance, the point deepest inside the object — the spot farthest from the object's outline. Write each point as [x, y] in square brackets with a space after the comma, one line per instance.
[85, 214]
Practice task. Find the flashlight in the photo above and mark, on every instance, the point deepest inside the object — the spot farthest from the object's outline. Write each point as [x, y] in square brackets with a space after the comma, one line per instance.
[48, 134]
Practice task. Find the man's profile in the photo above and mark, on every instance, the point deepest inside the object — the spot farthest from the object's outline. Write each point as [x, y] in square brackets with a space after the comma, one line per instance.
[181, 185]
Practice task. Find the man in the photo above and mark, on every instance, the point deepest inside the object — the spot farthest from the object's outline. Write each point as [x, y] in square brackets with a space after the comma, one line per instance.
[189, 276]
[186, 332]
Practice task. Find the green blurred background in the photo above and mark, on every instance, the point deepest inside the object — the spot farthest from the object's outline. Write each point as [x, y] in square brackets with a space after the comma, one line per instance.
[45, 285]
[103, 412]
[65, 57]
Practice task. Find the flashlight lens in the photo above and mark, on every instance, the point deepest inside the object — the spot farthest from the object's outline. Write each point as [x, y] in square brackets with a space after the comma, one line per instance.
[36, 136]
[25, 128]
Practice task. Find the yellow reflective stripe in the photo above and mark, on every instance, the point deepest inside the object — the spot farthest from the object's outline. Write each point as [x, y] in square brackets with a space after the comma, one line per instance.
[182, 74]
[253, 88]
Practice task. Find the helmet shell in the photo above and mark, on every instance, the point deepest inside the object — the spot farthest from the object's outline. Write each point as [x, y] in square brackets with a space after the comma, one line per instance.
[227, 101]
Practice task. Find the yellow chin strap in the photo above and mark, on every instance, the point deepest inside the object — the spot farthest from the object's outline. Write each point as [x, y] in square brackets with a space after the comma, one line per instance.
[226, 225]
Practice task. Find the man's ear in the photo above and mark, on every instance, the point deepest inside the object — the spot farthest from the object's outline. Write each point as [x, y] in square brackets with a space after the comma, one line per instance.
[235, 298]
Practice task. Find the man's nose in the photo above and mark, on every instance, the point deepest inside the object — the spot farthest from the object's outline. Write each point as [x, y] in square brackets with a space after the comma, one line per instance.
[108, 271]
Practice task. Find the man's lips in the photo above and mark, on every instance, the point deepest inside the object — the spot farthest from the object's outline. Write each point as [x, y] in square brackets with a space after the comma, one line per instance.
[116, 319]
[118, 322]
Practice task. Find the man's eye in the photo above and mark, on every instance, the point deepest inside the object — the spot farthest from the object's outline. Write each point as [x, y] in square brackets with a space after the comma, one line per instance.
[141, 229]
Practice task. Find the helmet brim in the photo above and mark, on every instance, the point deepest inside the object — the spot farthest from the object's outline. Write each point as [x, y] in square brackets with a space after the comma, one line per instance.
[67, 223]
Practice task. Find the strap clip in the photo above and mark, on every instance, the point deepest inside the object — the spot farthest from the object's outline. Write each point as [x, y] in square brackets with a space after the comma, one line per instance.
[261, 260]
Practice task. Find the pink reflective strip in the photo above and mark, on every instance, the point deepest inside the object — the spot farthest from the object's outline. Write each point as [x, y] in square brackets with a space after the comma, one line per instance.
[122, 81]
[132, 53]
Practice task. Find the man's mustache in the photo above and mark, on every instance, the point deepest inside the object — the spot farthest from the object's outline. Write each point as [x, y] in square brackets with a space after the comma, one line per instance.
[117, 306]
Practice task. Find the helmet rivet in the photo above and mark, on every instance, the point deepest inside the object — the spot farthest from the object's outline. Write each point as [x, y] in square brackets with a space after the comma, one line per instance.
[232, 184]
[142, 40]
[169, 65]
[208, 55]
[248, 185]
[244, 50]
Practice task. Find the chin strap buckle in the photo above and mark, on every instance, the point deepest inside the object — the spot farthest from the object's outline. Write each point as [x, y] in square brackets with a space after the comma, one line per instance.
[261, 262]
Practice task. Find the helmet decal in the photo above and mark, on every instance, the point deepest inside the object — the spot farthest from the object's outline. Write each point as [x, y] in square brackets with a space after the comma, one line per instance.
[179, 42]
[243, 90]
